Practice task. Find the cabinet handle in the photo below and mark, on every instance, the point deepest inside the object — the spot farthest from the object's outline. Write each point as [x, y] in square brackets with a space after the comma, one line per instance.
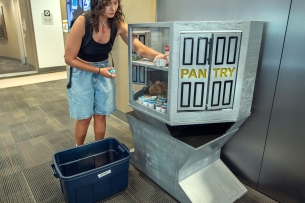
[210, 51]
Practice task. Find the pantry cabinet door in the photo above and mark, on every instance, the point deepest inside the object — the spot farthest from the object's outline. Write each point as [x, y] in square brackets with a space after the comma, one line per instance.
[194, 70]
[223, 70]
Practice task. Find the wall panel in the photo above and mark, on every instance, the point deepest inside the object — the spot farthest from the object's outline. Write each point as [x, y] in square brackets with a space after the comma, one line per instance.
[48, 37]
[282, 175]
[244, 152]
[29, 35]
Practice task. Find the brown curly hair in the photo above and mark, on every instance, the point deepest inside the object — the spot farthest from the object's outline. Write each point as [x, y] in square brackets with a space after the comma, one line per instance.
[97, 7]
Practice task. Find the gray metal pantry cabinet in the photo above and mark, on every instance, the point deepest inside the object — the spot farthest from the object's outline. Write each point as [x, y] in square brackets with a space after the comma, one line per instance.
[211, 73]
[209, 80]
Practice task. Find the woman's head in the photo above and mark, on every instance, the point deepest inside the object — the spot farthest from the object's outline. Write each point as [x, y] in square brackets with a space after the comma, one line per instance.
[111, 9]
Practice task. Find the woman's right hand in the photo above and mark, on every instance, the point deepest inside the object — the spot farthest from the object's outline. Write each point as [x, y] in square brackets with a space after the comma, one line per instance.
[105, 72]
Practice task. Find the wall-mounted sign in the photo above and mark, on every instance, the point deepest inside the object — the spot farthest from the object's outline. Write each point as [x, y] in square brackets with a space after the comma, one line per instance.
[46, 13]
[47, 17]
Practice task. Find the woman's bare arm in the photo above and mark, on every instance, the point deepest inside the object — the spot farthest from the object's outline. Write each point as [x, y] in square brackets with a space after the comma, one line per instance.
[138, 46]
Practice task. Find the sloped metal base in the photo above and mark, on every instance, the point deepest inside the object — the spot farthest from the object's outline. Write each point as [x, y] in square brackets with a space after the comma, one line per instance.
[188, 174]
[212, 184]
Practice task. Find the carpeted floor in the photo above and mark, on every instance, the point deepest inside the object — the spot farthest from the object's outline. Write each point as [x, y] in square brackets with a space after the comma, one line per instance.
[35, 124]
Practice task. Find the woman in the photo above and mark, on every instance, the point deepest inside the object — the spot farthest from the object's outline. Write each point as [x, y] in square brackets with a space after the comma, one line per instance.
[92, 93]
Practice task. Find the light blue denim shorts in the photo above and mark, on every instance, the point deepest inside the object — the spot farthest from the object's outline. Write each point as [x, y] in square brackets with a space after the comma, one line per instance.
[91, 93]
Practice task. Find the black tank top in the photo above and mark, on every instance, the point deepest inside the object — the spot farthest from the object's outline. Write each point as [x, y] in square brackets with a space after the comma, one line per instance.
[94, 51]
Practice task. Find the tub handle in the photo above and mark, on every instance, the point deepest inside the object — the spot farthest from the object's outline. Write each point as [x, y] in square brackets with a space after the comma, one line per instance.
[54, 171]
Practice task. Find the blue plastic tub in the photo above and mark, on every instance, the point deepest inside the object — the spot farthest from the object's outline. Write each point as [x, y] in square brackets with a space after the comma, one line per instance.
[92, 172]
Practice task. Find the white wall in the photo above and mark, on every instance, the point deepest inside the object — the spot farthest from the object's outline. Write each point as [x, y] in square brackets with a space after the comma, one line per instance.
[49, 38]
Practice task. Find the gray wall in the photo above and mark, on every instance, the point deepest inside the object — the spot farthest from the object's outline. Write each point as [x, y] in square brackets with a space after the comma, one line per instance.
[266, 152]
[283, 169]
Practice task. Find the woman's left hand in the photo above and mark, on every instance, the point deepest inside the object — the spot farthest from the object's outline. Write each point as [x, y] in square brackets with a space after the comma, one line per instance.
[161, 56]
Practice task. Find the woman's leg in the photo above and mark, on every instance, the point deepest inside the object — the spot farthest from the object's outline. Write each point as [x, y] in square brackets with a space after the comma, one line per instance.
[104, 100]
[81, 127]
[99, 126]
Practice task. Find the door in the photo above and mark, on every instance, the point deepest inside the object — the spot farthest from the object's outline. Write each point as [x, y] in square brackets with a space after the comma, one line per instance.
[193, 71]
[139, 75]
[223, 70]
[207, 73]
